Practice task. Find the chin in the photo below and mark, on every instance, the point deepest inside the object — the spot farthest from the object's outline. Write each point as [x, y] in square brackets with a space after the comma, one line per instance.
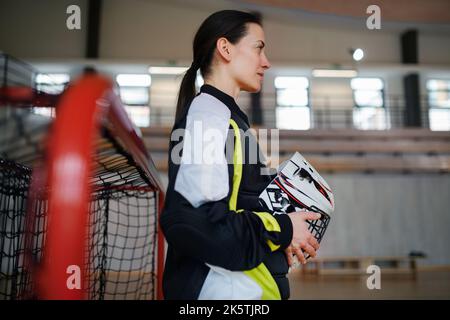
[252, 88]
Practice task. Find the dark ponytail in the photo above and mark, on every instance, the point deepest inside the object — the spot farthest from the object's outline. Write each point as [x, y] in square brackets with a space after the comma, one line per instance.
[230, 24]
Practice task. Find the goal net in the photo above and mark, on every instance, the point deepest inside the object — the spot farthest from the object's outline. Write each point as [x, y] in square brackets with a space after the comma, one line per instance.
[79, 195]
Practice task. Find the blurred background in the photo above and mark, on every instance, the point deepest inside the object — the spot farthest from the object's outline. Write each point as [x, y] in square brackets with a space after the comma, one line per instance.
[362, 92]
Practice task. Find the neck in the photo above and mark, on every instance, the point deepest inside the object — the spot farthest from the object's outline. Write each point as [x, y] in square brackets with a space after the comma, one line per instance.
[222, 81]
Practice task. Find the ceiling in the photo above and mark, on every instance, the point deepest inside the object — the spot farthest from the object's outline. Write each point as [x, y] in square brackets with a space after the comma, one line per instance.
[422, 11]
[427, 16]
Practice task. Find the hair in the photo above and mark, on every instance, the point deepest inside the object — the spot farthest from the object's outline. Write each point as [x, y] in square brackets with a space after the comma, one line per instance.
[229, 24]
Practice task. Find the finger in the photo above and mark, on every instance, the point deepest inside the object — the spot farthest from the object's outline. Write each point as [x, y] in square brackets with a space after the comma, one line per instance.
[310, 250]
[311, 215]
[299, 255]
[314, 243]
[288, 252]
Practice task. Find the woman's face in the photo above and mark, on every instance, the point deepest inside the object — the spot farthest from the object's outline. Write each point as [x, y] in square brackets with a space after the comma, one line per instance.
[249, 60]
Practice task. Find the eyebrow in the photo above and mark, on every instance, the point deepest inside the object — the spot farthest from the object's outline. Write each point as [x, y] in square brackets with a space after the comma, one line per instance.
[262, 43]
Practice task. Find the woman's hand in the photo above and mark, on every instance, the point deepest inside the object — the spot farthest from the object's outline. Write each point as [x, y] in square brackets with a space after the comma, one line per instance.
[302, 239]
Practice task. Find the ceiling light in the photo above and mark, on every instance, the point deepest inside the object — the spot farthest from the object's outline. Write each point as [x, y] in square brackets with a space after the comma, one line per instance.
[167, 70]
[334, 73]
[358, 54]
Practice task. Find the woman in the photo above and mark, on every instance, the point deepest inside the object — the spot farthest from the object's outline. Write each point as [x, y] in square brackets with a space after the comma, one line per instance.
[220, 244]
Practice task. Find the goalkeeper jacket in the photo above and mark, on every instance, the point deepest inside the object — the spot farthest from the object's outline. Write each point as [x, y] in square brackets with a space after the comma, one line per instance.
[220, 243]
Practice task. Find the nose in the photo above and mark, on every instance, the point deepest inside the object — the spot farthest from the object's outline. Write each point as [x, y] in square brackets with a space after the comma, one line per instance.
[265, 62]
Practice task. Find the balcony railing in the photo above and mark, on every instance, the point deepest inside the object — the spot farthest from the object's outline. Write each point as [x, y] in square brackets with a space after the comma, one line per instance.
[340, 115]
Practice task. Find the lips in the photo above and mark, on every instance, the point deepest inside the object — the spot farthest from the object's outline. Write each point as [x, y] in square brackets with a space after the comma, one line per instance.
[261, 74]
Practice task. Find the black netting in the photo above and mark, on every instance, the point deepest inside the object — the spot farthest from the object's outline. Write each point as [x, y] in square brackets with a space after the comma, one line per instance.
[14, 183]
[15, 279]
[120, 257]
[121, 244]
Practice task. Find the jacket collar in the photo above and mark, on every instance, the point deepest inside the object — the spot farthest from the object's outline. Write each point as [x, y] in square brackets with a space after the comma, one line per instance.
[225, 99]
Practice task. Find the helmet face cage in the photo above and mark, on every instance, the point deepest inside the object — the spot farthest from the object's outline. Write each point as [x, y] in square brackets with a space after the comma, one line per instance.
[318, 227]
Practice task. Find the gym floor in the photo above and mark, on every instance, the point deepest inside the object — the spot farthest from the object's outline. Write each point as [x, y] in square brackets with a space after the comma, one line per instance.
[426, 285]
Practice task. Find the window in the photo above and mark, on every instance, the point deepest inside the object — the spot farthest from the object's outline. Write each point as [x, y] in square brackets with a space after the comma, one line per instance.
[438, 93]
[134, 96]
[369, 112]
[439, 104]
[292, 101]
[367, 92]
[134, 92]
[53, 83]
[139, 115]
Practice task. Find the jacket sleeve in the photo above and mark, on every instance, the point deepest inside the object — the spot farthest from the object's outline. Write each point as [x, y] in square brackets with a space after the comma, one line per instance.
[228, 239]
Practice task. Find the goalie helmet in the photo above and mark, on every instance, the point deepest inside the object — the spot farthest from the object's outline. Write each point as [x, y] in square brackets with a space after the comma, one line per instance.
[299, 187]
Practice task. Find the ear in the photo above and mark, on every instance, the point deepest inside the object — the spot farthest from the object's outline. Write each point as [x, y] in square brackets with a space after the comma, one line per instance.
[223, 47]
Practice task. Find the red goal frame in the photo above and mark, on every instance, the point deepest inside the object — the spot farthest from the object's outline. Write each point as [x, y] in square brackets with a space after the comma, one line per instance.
[85, 106]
